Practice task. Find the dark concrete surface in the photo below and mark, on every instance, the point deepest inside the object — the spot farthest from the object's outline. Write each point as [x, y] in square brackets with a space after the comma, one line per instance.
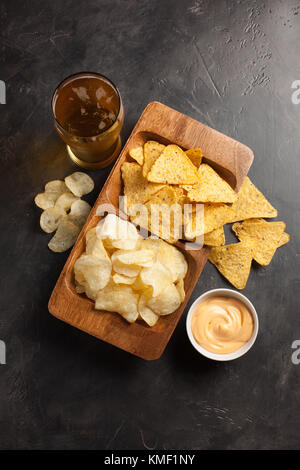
[229, 64]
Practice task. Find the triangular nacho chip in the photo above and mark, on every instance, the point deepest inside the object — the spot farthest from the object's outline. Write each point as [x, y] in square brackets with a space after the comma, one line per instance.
[152, 151]
[215, 237]
[267, 236]
[251, 203]
[210, 188]
[233, 262]
[136, 188]
[195, 155]
[173, 167]
[285, 238]
[137, 154]
[215, 216]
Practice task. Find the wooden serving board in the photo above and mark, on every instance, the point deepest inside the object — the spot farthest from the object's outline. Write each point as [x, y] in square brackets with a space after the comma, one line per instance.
[158, 122]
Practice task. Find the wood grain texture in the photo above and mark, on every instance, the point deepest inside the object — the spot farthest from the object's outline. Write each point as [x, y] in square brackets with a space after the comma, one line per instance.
[158, 122]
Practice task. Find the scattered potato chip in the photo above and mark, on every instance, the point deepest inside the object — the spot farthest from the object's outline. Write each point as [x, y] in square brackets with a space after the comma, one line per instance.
[79, 212]
[180, 288]
[215, 237]
[50, 218]
[53, 190]
[210, 188]
[65, 236]
[79, 183]
[195, 155]
[152, 151]
[56, 186]
[136, 188]
[120, 299]
[234, 262]
[157, 276]
[145, 312]
[65, 201]
[166, 302]
[137, 154]
[121, 279]
[266, 235]
[285, 238]
[251, 203]
[173, 167]
[93, 271]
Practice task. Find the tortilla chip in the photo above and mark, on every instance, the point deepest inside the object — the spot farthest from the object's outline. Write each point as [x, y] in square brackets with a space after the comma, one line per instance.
[251, 203]
[215, 237]
[137, 154]
[233, 262]
[136, 187]
[285, 238]
[152, 151]
[215, 216]
[266, 235]
[195, 155]
[173, 167]
[211, 187]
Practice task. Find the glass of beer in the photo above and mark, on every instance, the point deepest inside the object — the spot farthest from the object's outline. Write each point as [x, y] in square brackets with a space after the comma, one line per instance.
[88, 115]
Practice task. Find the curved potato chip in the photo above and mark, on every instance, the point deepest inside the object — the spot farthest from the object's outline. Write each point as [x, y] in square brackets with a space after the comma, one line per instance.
[79, 183]
[169, 256]
[180, 288]
[50, 218]
[121, 268]
[120, 299]
[92, 271]
[145, 312]
[79, 212]
[56, 186]
[123, 234]
[66, 200]
[166, 302]
[46, 200]
[144, 258]
[95, 247]
[65, 236]
[121, 279]
[157, 276]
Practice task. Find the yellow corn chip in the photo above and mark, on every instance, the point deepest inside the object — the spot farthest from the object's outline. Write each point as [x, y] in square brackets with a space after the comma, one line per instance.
[251, 203]
[233, 262]
[215, 237]
[136, 187]
[137, 154]
[152, 151]
[266, 235]
[195, 155]
[173, 167]
[215, 216]
[210, 188]
[285, 238]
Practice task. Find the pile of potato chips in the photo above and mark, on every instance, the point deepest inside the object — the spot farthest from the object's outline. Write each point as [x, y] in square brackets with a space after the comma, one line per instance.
[168, 175]
[63, 209]
[124, 273]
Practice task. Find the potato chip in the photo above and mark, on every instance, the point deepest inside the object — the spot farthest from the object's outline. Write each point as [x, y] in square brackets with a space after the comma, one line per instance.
[129, 270]
[53, 190]
[234, 262]
[145, 312]
[215, 237]
[266, 235]
[65, 236]
[285, 238]
[50, 218]
[121, 279]
[152, 151]
[136, 188]
[173, 167]
[137, 154]
[166, 302]
[144, 258]
[210, 188]
[56, 186]
[180, 287]
[79, 183]
[157, 276]
[169, 256]
[95, 247]
[79, 212]
[65, 201]
[120, 299]
[195, 155]
[93, 271]
[251, 203]
[121, 233]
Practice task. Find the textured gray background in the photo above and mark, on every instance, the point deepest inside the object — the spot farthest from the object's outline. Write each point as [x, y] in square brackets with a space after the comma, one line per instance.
[229, 64]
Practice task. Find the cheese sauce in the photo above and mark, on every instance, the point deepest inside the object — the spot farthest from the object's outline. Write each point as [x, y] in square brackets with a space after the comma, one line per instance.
[222, 324]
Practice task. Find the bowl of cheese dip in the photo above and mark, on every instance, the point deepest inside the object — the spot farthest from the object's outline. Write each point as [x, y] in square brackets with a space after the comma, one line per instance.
[222, 324]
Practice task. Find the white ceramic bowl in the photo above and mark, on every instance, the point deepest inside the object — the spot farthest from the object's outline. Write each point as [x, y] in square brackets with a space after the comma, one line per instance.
[222, 293]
